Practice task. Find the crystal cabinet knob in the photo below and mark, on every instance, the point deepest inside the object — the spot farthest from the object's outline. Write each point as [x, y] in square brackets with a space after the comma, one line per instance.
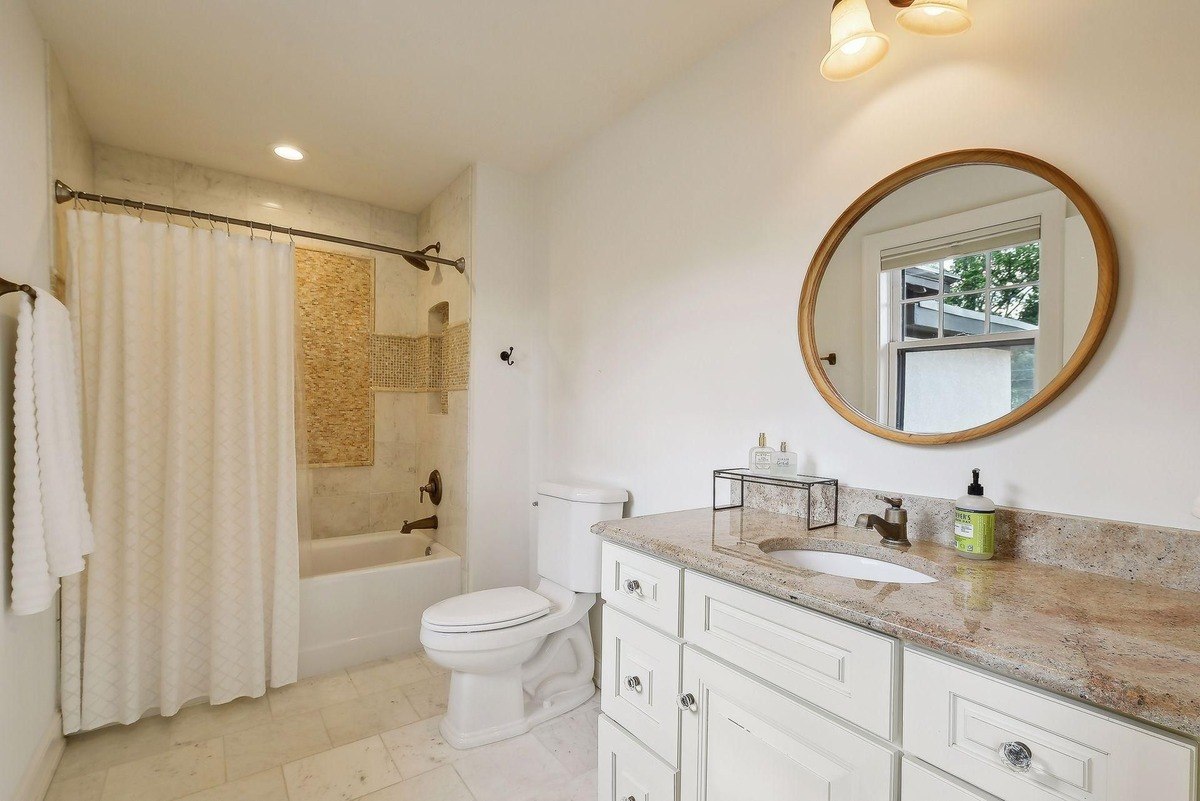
[633, 683]
[633, 586]
[1017, 756]
[687, 702]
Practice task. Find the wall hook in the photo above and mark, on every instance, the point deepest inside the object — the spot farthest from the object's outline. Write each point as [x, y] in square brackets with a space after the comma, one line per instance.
[506, 356]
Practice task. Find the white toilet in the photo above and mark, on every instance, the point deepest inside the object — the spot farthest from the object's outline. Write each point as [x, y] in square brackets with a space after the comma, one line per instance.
[517, 656]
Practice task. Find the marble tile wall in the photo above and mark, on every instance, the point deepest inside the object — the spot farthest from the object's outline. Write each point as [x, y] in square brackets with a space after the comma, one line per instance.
[444, 303]
[1155, 554]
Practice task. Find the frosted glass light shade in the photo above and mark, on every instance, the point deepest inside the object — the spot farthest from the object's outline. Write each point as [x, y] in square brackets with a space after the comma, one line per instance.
[855, 45]
[935, 17]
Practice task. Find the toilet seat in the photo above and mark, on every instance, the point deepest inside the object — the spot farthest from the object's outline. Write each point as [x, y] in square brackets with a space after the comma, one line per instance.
[486, 610]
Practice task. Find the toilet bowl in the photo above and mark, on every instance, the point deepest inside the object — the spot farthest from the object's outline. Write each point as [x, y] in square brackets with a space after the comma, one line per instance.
[516, 656]
[504, 680]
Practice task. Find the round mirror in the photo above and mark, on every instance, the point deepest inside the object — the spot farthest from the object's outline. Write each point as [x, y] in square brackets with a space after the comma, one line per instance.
[957, 297]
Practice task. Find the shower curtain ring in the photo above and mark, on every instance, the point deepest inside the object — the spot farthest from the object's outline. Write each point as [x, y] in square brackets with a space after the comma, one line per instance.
[227, 232]
[192, 217]
[291, 236]
[141, 211]
[271, 234]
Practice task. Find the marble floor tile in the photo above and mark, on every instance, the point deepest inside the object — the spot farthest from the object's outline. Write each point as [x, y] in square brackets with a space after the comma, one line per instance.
[205, 721]
[88, 787]
[112, 745]
[428, 696]
[374, 677]
[419, 748]
[341, 774]
[517, 768]
[572, 739]
[309, 694]
[433, 667]
[265, 786]
[371, 714]
[169, 775]
[441, 784]
[282, 740]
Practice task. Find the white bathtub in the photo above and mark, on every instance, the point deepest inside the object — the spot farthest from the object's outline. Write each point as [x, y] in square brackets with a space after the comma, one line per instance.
[362, 596]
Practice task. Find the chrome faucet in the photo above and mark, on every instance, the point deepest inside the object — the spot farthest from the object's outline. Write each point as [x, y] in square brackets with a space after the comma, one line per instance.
[892, 527]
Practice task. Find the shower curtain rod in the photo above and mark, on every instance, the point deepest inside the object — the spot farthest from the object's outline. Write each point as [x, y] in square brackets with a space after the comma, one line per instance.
[64, 193]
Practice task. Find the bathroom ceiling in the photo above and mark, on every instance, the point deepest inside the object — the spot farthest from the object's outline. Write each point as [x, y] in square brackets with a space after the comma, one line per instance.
[391, 99]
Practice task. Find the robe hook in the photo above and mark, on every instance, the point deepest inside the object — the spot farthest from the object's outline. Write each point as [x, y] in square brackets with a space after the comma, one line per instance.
[506, 356]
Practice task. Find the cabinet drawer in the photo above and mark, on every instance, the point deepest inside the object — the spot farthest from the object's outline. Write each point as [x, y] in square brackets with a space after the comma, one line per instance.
[743, 739]
[642, 587]
[639, 682]
[919, 782]
[842, 668]
[958, 718]
[629, 771]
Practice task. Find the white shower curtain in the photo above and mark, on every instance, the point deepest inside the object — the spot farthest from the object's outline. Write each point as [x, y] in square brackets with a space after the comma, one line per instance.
[187, 348]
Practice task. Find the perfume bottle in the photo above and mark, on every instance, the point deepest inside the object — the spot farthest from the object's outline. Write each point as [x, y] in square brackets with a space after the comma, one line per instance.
[762, 458]
[786, 463]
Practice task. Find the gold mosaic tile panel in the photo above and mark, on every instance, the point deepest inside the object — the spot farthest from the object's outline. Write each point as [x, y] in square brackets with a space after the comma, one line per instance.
[335, 299]
[456, 349]
[429, 363]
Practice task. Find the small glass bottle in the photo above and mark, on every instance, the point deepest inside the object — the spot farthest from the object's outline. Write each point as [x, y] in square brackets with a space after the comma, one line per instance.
[762, 458]
[785, 461]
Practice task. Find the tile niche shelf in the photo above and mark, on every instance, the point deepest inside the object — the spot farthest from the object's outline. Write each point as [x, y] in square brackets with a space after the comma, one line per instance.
[739, 476]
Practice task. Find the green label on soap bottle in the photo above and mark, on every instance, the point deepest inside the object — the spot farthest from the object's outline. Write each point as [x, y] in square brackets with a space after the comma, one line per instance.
[975, 532]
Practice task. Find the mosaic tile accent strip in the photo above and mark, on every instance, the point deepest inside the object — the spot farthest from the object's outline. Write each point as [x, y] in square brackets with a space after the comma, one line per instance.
[428, 363]
[335, 298]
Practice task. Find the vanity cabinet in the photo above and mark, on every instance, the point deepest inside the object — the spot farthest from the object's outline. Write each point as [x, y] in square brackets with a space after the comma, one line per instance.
[714, 692]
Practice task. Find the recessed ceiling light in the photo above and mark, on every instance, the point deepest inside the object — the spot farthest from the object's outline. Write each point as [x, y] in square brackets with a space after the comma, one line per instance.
[289, 152]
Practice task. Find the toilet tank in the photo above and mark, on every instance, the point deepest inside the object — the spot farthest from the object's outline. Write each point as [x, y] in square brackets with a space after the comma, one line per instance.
[568, 551]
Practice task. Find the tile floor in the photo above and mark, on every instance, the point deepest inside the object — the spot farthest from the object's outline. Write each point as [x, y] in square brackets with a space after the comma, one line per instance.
[370, 733]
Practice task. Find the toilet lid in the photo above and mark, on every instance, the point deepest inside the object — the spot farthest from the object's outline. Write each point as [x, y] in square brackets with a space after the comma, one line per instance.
[486, 610]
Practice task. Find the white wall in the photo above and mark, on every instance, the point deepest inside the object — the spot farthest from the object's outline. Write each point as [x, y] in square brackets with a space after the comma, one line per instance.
[676, 241]
[505, 312]
[28, 645]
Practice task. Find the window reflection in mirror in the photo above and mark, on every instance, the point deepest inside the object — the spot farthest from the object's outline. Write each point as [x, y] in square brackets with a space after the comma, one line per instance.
[957, 297]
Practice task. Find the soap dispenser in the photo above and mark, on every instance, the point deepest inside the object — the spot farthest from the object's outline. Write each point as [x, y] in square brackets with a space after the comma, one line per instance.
[975, 522]
[762, 458]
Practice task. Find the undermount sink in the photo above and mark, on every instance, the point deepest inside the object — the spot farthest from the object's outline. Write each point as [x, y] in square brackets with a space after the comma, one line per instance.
[850, 566]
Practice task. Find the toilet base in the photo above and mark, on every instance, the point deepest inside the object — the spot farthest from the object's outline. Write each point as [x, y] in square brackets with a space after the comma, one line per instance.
[535, 713]
[534, 682]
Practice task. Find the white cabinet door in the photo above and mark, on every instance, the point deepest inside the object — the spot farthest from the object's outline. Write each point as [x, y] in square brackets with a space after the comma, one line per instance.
[744, 741]
[639, 682]
[628, 771]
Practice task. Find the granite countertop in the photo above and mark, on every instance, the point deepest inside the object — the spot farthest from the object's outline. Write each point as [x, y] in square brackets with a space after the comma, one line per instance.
[1129, 646]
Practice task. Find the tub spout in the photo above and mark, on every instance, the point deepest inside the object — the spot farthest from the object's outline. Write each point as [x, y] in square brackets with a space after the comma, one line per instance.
[424, 522]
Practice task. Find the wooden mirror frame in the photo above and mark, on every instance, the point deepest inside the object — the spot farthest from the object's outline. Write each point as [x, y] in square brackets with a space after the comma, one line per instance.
[1106, 290]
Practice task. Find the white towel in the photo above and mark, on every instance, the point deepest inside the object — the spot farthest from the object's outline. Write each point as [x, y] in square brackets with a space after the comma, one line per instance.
[52, 530]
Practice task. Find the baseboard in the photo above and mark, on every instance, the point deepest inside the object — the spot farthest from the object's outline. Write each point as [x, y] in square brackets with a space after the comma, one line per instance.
[41, 768]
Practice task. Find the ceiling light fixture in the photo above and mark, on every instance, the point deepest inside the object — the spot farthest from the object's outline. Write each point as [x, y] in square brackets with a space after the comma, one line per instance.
[935, 17]
[855, 46]
[289, 152]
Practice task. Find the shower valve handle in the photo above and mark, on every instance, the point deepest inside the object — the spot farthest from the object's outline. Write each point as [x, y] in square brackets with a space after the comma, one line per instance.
[434, 488]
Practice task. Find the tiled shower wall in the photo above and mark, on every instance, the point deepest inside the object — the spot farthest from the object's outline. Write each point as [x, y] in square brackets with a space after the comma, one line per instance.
[442, 433]
[346, 500]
